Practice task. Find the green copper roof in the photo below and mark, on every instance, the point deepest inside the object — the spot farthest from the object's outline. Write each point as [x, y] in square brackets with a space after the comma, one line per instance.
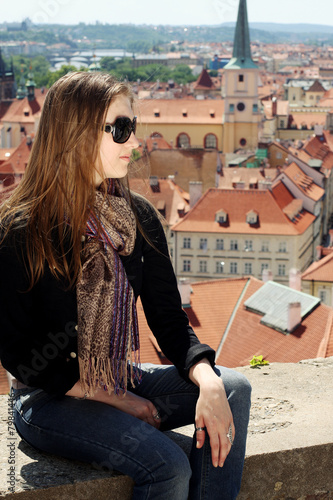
[241, 56]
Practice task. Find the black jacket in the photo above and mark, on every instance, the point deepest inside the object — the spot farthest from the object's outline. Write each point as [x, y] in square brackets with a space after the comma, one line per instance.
[38, 337]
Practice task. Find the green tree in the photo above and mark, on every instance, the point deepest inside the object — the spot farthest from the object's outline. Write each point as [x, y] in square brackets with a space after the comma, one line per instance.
[55, 75]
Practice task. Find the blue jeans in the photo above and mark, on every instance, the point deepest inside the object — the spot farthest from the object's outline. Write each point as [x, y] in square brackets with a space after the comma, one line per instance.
[107, 437]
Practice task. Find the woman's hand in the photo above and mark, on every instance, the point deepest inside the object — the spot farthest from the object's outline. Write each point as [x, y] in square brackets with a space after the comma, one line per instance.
[128, 402]
[212, 412]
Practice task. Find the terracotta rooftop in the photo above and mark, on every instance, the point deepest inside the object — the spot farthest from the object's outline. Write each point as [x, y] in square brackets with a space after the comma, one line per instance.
[247, 175]
[309, 119]
[322, 270]
[247, 337]
[321, 148]
[17, 160]
[316, 87]
[219, 318]
[156, 111]
[304, 182]
[237, 203]
[204, 81]
[164, 194]
[22, 110]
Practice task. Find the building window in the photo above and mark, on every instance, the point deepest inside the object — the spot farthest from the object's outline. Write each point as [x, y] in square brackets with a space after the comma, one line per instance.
[323, 296]
[242, 142]
[171, 252]
[263, 267]
[210, 141]
[248, 268]
[183, 141]
[248, 247]
[282, 270]
[240, 106]
[187, 243]
[233, 245]
[186, 266]
[203, 244]
[278, 155]
[202, 266]
[255, 108]
[219, 244]
[231, 108]
[241, 78]
[282, 247]
[265, 246]
[219, 267]
[281, 125]
[233, 267]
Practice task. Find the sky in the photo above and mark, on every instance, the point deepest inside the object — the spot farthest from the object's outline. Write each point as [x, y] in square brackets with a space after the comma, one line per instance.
[174, 12]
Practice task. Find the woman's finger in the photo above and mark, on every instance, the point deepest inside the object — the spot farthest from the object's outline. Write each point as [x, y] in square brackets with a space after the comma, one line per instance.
[200, 436]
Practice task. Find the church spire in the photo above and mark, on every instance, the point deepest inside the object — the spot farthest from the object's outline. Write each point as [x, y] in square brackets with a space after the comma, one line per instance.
[241, 56]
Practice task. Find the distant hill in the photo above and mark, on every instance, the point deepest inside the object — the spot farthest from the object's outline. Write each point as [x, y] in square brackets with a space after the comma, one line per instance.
[288, 28]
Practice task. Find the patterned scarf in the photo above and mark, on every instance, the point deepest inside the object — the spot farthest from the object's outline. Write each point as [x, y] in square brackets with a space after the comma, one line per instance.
[108, 338]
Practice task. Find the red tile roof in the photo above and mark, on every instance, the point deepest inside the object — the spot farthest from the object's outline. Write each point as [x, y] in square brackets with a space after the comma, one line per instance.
[304, 182]
[206, 111]
[204, 81]
[165, 196]
[309, 119]
[18, 159]
[23, 110]
[237, 203]
[322, 270]
[247, 337]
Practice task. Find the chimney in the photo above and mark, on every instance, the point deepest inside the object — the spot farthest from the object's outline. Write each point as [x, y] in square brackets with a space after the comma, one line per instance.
[295, 279]
[267, 275]
[154, 183]
[195, 190]
[185, 290]
[274, 106]
[294, 316]
[318, 130]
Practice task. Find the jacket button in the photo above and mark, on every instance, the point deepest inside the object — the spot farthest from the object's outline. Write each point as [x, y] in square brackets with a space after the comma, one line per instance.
[72, 355]
[76, 327]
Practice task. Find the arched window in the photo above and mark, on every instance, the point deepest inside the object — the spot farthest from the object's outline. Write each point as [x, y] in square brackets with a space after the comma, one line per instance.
[210, 141]
[183, 141]
[156, 134]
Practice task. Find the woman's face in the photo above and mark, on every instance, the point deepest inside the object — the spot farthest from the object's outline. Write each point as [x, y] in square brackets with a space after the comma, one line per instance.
[114, 158]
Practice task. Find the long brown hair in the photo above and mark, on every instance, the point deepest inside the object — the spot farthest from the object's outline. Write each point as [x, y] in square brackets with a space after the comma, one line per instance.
[57, 191]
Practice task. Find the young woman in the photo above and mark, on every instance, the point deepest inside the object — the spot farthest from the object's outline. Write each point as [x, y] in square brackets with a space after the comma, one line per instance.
[76, 250]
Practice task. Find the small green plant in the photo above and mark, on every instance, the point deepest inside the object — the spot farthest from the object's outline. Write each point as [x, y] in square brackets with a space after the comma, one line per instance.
[258, 361]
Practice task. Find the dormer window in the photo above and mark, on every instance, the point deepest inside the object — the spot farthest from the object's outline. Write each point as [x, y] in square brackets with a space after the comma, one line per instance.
[252, 217]
[212, 113]
[221, 217]
[184, 112]
[156, 113]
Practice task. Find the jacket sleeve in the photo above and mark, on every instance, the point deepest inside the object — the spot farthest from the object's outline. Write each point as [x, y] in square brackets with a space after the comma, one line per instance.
[36, 339]
[161, 299]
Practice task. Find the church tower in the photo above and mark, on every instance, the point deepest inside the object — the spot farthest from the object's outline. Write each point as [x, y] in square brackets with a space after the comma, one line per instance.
[240, 91]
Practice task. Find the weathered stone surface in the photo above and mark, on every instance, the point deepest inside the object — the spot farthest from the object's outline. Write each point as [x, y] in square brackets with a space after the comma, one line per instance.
[289, 452]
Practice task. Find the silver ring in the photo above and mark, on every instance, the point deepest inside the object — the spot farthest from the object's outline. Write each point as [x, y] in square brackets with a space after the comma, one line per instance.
[229, 435]
[157, 416]
[199, 429]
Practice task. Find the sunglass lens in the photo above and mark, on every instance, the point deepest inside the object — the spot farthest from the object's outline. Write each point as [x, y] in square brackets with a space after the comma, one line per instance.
[123, 129]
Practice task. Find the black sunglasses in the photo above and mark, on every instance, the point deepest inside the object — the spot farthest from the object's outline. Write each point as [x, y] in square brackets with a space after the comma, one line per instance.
[122, 129]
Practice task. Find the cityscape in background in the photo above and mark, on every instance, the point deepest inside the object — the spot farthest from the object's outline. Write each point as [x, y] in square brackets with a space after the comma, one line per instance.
[236, 153]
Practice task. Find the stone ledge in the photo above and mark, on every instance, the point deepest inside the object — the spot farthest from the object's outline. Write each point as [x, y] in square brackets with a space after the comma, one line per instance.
[289, 452]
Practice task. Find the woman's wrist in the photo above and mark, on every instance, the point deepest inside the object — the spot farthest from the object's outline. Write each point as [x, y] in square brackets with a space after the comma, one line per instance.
[203, 375]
